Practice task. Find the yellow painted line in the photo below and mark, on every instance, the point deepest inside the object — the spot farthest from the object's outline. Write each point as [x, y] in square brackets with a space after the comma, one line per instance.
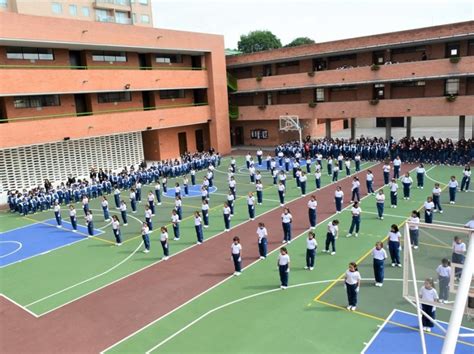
[433, 245]
[368, 315]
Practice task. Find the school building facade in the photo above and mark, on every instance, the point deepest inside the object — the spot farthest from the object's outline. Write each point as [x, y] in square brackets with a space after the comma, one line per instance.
[76, 94]
[395, 79]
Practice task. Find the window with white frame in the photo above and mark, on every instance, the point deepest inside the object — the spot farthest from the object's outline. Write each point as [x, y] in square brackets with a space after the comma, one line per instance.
[56, 7]
[452, 87]
[85, 11]
[73, 10]
[144, 2]
[145, 19]
[320, 94]
[24, 53]
[3, 3]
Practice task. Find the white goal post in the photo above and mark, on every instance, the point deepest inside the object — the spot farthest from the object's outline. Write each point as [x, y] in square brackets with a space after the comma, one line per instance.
[291, 123]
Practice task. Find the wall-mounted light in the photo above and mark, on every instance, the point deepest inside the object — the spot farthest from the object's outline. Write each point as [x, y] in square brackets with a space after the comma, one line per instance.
[127, 86]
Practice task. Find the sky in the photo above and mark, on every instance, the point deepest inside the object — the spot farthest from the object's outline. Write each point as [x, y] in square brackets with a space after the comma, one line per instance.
[321, 20]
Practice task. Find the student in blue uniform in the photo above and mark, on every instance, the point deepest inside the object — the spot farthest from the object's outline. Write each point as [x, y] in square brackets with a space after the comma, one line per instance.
[73, 217]
[236, 255]
[259, 190]
[175, 220]
[420, 176]
[335, 173]
[198, 227]
[302, 181]
[466, 179]
[429, 208]
[123, 212]
[281, 193]
[178, 206]
[85, 204]
[394, 237]
[386, 172]
[116, 230]
[117, 197]
[407, 183]
[414, 219]
[311, 246]
[57, 214]
[205, 213]
[283, 264]
[151, 202]
[379, 256]
[133, 200]
[444, 277]
[286, 219]
[339, 199]
[453, 187]
[186, 185]
[105, 208]
[437, 198]
[164, 242]
[355, 224]
[146, 237]
[251, 205]
[312, 204]
[369, 182]
[428, 293]
[352, 284]
[355, 189]
[230, 202]
[177, 190]
[380, 203]
[393, 186]
[90, 223]
[262, 234]
[226, 212]
[317, 177]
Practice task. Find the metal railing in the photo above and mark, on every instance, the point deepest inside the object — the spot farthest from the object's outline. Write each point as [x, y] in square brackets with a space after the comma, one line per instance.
[100, 67]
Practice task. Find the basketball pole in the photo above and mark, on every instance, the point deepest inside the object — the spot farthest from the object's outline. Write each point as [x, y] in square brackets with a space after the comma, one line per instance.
[455, 321]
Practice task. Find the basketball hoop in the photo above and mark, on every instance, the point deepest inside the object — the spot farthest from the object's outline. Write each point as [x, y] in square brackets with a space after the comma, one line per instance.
[291, 123]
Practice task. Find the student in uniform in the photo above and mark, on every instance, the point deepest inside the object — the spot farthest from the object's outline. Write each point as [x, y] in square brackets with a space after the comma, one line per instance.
[148, 215]
[339, 199]
[340, 161]
[198, 227]
[138, 190]
[312, 204]
[117, 197]
[329, 165]
[158, 192]
[151, 202]
[175, 221]
[406, 182]
[394, 237]
[186, 185]
[308, 164]
[116, 230]
[459, 255]
[282, 177]
[146, 237]
[230, 202]
[453, 187]
[57, 214]
[331, 236]
[444, 277]
[466, 179]
[251, 205]
[262, 240]
[335, 173]
[286, 220]
[311, 246]
[105, 208]
[355, 190]
[123, 213]
[73, 217]
[296, 176]
[204, 193]
[226, 213]
[357, 159]
[379, 255]
[369, 182]
[283, 264]
[90, 223]
[177, 190]
[85, 204]
[429, 207]
[303, 178]
[247, 160]
[259, 190]
[437, 198]
[178, 207]
[386, 173]
[164, 184]
[193, 176]
[428, 293]
[281, 193]
[205, 213]
[232, 185]
[397, 164]
[133, 200]
[352, 284]
[252, 174]
[347, 164]
[317, 176]
[164, 242]
[380, 203]
[236, 255]
[275, 176]
[420, 176]
[393, 186]
[355, 224]
[413, 229]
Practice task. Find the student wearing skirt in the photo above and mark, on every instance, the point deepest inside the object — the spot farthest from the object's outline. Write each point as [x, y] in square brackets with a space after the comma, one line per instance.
[312, 204]
[394, 237]
[420, 176]
[281, 193]
[151, 202]
[148, 216]
[73, 217]
[175, 222]
[303, 178]
[369, 182]
[259, 190]
[251, 206]
[380, 203]
[379, 255]
[205, 213]
[262, 240]
[339, 199]
[116, 230]
[57, 215]
[355, 224]
[226, 214]
[90, 224]
[453, 187]
[146, 237]
[164, 242]
[459, 255]
[386, 173]
[236, 255]
[123, 213]
[317, 177]
[413, 229]
[331, 236]
[283, 264]
[428, 293]
[105, 208]
[429, 207]
[286, 219]
[444, 277]
[133, 200]
[355, 190]
[198, 227]
[437, 198]
[311, 246]
[352, 284]
[393, 186]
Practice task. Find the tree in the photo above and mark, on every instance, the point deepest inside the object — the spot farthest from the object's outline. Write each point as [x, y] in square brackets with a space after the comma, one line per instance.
[257, 41]
[300, 41]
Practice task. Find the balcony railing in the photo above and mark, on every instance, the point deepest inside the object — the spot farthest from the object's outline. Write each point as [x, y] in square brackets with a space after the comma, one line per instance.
[114, 2]
[100, 67]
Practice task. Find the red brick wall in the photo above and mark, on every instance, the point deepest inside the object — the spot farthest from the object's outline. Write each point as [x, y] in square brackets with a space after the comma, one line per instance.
[135, 103]
[67, 107]
[364, 92]
[434, 88]
[306, 65]
[284, 70]
[436, 51]
[407, 92]
[188, 98]
[404, 57]
[470, 86]
[288, 98]
[364, 59]
[61, 58]
[339, 96]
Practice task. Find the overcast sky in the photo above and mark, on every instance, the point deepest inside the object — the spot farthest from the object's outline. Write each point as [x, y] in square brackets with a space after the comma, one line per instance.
[321, 20]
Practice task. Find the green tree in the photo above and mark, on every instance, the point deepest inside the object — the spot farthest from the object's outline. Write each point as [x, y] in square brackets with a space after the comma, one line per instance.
[300, 41]
[256, 41]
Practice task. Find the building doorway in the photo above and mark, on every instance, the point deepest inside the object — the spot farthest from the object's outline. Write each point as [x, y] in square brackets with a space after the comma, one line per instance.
[183, 143]
[75, 59]
[239, 136]
[81, 105]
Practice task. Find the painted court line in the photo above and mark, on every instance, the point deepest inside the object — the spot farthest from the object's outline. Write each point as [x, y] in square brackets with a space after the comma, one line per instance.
[14, 251]
[381, 327]
[20, 306]
[402, 217]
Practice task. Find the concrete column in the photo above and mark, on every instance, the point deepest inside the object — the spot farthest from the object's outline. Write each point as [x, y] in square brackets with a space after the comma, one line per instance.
[353, 128]
[328, 128]
[408, 122]
[388, 128]
[462, 127]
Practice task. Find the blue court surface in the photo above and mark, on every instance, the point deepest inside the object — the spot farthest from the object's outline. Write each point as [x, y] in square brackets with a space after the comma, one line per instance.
[32, 240]
[399, 334]
[193, 191]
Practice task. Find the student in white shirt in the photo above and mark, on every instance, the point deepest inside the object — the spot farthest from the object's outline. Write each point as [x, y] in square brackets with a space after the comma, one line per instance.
[420, 176]
[247, 159]
[262, 240]
[459, 255]
[259, 190]
[355, 190]
[369, 182]
[379, 255]
[312, 204]
[226, 213]
[394, 237]
[283, 264]
[146, 237]
[133, 200]
[352, 284]
[393, 186]
[236, 253]
[347, 164]
[466, 179]
[317, 177]
[311, 246]
[414, 232]
[178, 207]
[453, 187]
[116, 230]
[105, 208]
[380, 203]
[57, 214]
[175, 222]
[308, 164]
[357, 159]
[205, 213]
[198, 227]
[164, 242]
[251, 205]
[148, 217]
[123, 212]
[397, 163]
[151, 202]
[428, 293]
[331, 236]
[339, 199]
[302, 179]
[437, 198]
[73, 217]
[406, 182]
[444, 277]
[329, 165]
[281, 193]
[355, 224]
[90, 223]
[386, 173]
[335, 173]
[177, 190]
[286, 219]
[429, 207]
[259, 156]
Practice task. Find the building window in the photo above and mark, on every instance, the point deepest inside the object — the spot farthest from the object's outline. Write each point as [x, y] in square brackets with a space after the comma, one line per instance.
[134, 18]
[343, 88]
[122, 17]
[3, 3]
[452, 87]
[259, 134]
[73, 10]
[319, 95]
[343, 57]
[288, 63]
[109, 56]
[36, 101]
[289, 92]
[169, 58]
[103, 16]
[145, 19]
[30, 53]
[144, 2]
[452, 50]
[110, 97]
[409, 83]
[171, 94]
[408, 50]
[85, 11]
[57, 8]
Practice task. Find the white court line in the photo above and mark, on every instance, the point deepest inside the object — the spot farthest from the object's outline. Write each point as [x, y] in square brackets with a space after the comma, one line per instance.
[381, 327]
[444, 322]
[20, 306]
[12, 252]
[403, 217]
[432, 179]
